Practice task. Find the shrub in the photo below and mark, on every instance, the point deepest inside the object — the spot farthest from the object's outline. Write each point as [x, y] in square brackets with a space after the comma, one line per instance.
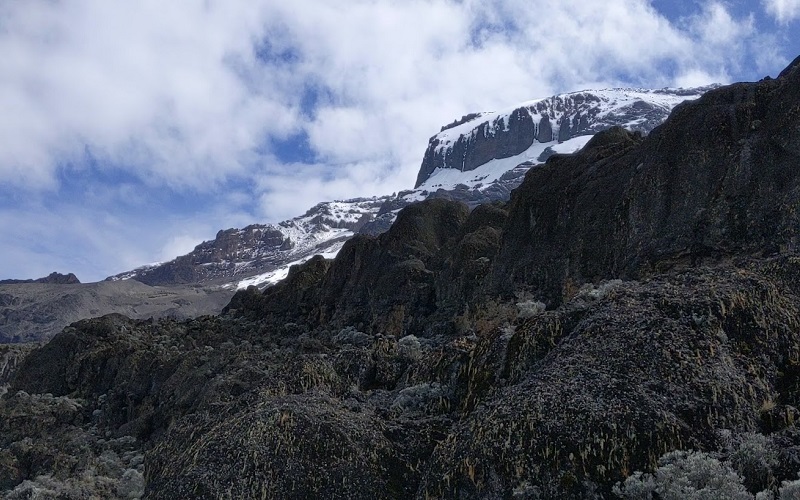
[790, 490]
[131, 485]
[685, 475]
[592, 292]
[350, 335]
[529, 308]
[409, 347]
[755, 457]
[421, 397]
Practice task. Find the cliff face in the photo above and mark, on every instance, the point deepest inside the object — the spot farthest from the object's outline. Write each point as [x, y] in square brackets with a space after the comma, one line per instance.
[481, 137]
[720, 179]
[634, 298]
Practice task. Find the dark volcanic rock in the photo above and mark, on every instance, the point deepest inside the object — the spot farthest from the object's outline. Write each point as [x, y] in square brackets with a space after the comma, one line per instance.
[552, 403]
[719, 178]
[595, 390]
[11, 356]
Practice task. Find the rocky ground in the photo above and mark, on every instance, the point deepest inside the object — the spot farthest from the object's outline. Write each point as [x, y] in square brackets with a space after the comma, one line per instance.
[33, 312]
[528, 402]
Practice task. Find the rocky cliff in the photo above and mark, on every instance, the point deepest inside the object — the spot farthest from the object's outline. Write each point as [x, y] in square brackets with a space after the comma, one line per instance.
[637, 297]
[478, 138]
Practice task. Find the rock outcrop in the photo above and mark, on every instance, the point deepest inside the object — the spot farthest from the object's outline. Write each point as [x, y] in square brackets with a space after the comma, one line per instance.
[719, 179]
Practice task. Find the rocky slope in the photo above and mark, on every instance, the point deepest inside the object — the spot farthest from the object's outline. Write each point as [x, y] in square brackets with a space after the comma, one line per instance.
[478, 159]
[34, 312]
[638, 297]
[236, 254]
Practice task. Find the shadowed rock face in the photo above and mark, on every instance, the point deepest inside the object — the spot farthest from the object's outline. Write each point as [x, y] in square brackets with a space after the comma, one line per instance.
[720, 178]
[418, 363]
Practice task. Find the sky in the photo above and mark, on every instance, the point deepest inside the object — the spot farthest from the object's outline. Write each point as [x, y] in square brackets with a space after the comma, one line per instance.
[132, 131]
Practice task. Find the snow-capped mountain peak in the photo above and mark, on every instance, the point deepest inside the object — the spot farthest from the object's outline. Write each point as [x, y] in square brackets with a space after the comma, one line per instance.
[478, 158]
[478, 138]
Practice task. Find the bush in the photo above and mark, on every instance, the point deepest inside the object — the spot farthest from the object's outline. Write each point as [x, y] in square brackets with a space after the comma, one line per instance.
[350, 335]
[529, 308]
[790, 490]
[409, 347]
[590, 292]
[685, 475]
[131, 485]
[420, 398]
[755, 457]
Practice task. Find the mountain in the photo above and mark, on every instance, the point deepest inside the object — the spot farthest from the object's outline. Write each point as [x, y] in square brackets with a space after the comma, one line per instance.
[52, 278]
[237, 254]
[35, 311]
[627, 325]
[478, 159]
[508, 143]
[478, 138]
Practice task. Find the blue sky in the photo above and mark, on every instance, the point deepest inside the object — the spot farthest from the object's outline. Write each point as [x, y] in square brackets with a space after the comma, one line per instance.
[132, 132]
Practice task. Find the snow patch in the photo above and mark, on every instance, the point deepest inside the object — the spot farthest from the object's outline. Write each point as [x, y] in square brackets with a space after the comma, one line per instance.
[276, 275]
[449, 178]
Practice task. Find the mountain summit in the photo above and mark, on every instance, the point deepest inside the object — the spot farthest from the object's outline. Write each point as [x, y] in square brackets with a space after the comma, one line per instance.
[477, 159]
[479, 138]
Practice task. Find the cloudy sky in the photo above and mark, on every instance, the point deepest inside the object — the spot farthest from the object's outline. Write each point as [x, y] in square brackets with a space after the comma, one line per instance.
[131, 131]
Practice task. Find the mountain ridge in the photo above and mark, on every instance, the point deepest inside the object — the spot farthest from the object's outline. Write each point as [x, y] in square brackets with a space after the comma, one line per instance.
[53, 278]
[266, 251]
[480, 137]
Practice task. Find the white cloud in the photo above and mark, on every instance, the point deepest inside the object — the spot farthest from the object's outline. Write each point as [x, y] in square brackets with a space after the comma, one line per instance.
[147, 86]
[784, 11]
[188, 95]
[179, 244]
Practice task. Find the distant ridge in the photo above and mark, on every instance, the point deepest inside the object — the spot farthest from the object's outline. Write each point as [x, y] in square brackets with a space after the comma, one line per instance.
[53, 278]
